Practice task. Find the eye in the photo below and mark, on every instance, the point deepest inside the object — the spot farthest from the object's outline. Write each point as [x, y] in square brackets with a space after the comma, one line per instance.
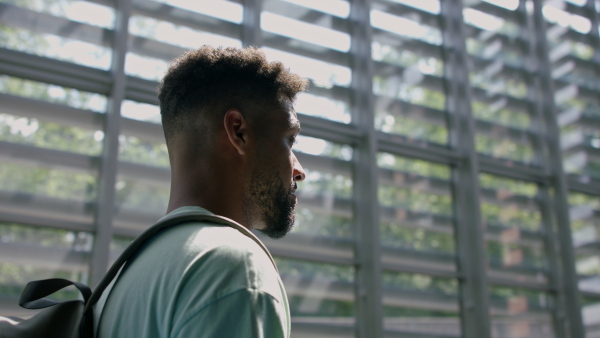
[293, 140]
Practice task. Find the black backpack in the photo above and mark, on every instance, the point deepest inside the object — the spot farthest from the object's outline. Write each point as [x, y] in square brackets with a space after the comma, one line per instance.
[75, 318]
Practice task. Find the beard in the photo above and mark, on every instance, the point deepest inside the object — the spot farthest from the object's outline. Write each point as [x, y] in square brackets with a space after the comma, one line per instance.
[272, 203]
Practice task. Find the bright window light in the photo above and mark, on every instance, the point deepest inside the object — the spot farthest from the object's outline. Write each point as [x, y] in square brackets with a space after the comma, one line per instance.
[323, 74]
[565, 19]
[482, 20]
[398, 25]
[508, 4]
[90, 13]
[338, 8]
[224, 10]
[321, 106]
[310, 145]
[305, 32]
[140, 111]
[83, 53]
[431, 6]
[178, 35]
[145, 67]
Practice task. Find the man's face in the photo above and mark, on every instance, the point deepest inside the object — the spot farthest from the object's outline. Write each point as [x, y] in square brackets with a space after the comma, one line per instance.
[275, 173]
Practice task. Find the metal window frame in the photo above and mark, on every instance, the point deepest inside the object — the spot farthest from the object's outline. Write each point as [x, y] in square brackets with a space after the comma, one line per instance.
[361, 134]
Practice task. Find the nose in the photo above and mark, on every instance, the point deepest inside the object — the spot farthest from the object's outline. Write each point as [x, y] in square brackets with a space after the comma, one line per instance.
[298, 173]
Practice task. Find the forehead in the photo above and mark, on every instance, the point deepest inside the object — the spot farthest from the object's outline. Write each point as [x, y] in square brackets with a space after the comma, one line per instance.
[285, 116]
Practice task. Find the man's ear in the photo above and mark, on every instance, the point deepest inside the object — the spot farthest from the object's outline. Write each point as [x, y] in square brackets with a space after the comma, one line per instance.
[237, 130]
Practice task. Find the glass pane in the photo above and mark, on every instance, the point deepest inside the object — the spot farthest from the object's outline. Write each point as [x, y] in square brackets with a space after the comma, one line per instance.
[169, 28]
[417, 223]
[575, 83]
[177, 35]
[325, 197]
[590, 311]
[52, 93]
[44, 181]
[51, 33]
[409, 68]
[148, 68]
[312, 39]
[140, 111]
[420, 305]
[142, 151]
[319, 293]
[75, 10]
[514, 229]
[584, 215]
[499, 76]
[140, 202]
[45, 253]
[223, 10]
[50, 135]
[518, 313]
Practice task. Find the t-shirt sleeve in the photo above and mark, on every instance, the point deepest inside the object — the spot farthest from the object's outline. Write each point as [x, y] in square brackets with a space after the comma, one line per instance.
[242, 313]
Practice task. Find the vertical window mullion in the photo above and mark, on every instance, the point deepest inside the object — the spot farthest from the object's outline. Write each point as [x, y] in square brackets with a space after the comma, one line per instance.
[110, 154]
[471, 256]
[558, 179]
[368, 285]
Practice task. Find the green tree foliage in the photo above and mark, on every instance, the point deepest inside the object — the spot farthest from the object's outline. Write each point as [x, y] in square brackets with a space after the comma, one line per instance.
[504, 116]
[49, 135]
[500, 255]
[501, 296]
[504, 148]
[52, 93]
[397, 87]
[322, 224]
[318, 275]
[48, 182]
[141, 196]
[442, 289]
[136, 150]
[44, 237]
[413, 166]
[418, 239]
[13, 276]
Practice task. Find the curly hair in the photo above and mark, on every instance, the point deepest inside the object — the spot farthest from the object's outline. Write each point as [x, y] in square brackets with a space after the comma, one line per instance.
[208, 81]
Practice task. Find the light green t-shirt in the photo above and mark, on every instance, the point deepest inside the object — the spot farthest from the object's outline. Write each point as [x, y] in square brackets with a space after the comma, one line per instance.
[196, 280]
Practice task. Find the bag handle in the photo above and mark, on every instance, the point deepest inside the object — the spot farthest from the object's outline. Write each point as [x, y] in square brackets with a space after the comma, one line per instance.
[33, 296]
[160, 225]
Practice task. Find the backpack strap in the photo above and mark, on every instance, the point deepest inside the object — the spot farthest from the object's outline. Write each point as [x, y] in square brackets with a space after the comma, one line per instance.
[169, 221]
[33, 296]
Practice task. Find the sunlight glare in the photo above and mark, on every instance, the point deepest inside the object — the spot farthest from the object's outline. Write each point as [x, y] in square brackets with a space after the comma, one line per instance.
[565, 19]
[302, 31]
[482, 20]
[323, 74]
[508, 4]
[338, 8]
[225, 10]
[90, 13]
[320, 106]
[310, 145]
[431, 6]
[401, 26]
[140, 111]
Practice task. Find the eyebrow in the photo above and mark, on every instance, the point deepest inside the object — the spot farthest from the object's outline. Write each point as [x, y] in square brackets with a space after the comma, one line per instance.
[296, 125]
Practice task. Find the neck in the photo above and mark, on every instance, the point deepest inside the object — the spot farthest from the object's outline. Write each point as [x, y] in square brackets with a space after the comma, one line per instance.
[216, 188]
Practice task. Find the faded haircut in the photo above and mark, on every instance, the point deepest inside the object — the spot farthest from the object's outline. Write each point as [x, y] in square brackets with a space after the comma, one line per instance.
[201, 85]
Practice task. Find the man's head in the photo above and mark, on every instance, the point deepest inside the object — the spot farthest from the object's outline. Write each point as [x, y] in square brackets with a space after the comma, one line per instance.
[233, 108]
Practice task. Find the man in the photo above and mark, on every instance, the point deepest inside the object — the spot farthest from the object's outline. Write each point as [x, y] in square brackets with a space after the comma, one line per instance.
[230, 126]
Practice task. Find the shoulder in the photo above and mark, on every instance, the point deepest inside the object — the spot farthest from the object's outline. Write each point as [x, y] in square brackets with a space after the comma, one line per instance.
[217, 257]
[224, 265]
